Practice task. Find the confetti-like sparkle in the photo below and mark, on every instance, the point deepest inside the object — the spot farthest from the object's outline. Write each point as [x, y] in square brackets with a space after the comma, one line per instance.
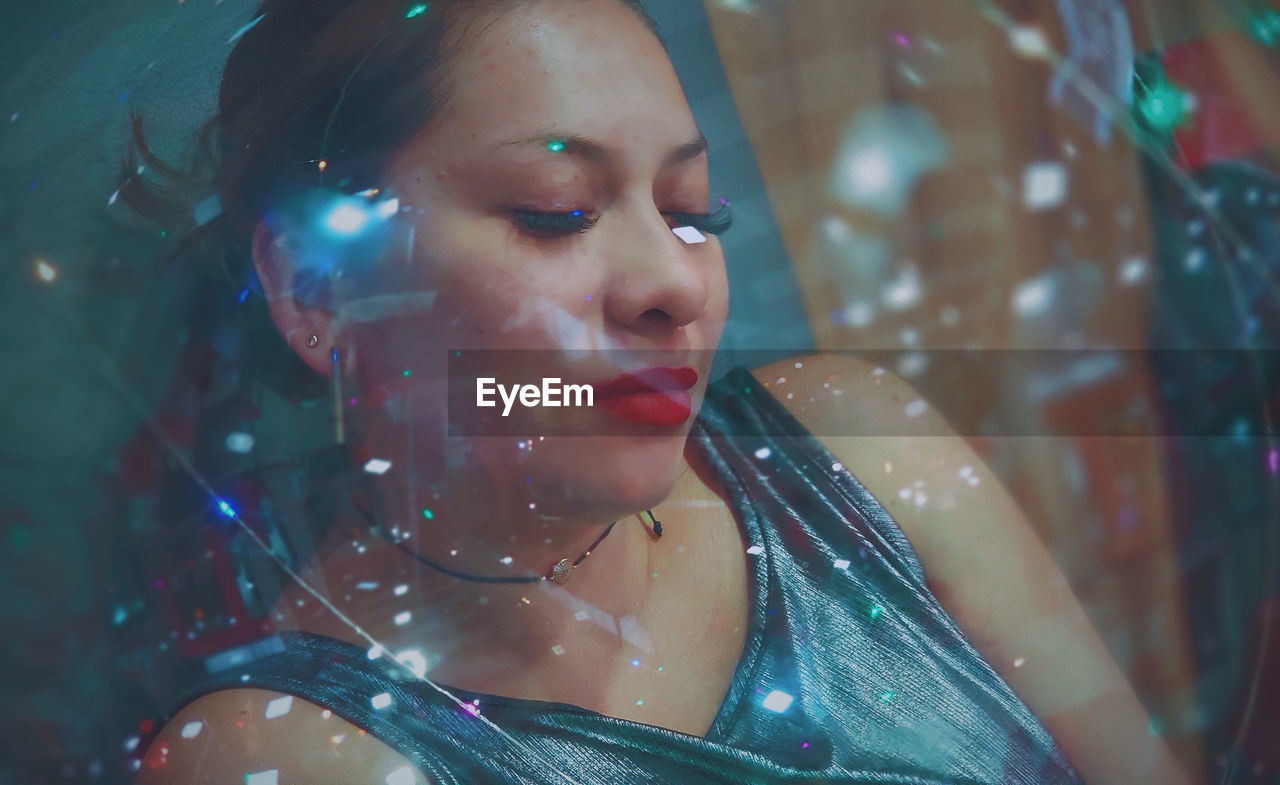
[778, 701]
[45, 271]
[689, 235]
[239, 442]
[414, 660]
[377, 466]
[1044, 185]
[279, 707]
[401, 776]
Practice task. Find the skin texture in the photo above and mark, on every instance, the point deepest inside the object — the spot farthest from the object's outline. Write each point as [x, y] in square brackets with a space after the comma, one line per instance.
[590, 68]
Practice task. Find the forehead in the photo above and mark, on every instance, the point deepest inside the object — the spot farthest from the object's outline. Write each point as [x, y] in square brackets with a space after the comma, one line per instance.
[587, 65]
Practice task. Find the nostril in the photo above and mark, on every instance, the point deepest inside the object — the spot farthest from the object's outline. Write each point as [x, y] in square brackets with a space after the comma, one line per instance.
[655, 316]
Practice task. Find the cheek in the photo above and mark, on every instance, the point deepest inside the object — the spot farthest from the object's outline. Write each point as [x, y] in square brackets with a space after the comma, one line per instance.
[508, 299]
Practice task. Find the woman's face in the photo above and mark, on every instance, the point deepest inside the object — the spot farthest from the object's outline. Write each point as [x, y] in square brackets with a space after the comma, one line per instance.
[558, 107]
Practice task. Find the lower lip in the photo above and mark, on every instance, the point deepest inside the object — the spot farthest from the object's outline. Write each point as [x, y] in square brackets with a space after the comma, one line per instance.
[661, 409]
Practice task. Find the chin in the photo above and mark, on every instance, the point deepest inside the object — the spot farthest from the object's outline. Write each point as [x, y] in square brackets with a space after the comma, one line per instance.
[624, 472]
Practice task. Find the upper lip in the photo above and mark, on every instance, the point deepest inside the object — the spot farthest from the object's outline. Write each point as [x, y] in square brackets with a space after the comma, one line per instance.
[656, 379]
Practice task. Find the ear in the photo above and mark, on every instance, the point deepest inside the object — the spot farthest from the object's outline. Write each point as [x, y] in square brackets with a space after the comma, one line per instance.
[296, 319]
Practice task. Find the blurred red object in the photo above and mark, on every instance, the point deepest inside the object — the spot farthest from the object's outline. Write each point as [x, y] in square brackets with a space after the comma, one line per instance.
[1219, 128]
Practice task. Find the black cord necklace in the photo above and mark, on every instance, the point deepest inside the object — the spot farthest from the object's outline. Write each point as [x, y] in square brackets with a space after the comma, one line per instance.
[559, 572]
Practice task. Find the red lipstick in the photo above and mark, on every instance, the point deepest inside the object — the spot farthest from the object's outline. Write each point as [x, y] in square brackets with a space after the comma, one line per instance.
[654, 396]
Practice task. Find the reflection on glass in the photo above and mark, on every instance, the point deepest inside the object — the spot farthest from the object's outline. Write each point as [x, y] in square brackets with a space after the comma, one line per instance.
[618, 391]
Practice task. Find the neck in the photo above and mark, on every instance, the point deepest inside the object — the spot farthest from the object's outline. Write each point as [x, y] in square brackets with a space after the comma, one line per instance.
[483, 635]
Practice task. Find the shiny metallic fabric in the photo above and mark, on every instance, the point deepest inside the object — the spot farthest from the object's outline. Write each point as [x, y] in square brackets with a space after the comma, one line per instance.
[852, 673]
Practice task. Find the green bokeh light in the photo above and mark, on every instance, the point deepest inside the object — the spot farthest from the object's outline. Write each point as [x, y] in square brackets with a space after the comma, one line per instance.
[1164, 107]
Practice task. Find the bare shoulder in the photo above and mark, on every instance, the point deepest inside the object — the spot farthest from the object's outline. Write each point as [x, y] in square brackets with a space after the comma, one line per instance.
[840, 395]
[929, 478]
[230, 735]
[981, 557]
[878, 426]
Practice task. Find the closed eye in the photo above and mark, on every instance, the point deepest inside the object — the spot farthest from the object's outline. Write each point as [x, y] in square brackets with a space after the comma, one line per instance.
[709, 223]
[557, 224]
[553, 224]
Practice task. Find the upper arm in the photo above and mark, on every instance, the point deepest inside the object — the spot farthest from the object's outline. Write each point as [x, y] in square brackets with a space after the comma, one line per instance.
[982, 559]
[224, 737]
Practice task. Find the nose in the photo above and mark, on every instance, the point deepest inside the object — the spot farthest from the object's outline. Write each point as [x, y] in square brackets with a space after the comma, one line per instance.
[656, 285]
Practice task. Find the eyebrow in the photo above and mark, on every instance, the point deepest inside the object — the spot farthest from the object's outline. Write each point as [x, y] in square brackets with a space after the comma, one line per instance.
[582, 147]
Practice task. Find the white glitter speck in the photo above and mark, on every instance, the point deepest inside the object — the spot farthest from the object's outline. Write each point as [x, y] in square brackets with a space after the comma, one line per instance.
[841, 564]
[414, 660]
[377, 466]
[1044, 185]
[777, 701]
[402, 590]
[755, 550]
[402, 618]
[763, 452]
[278, 707]
[1029, 41]
[690, 235]
[381, 701]
[192, 729]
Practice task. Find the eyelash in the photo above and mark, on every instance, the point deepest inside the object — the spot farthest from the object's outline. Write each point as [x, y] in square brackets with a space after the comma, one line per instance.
[576, 222]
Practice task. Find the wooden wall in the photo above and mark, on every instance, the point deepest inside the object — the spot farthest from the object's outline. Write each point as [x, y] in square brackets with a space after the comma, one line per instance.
[799, 73]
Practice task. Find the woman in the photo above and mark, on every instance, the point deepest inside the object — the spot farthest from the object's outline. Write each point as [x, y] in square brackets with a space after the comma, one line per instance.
[645, 595]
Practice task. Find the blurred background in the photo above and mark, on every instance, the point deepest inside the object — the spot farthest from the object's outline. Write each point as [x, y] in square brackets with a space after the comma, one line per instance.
[1090, 182]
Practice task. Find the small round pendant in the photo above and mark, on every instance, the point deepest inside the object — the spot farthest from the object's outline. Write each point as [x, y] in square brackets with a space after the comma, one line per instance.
[560, 572]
